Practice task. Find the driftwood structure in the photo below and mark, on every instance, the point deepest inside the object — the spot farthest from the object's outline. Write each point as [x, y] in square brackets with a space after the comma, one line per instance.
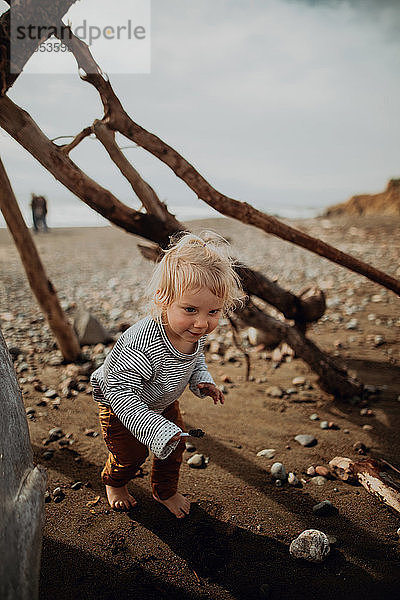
[157, 224]
[22, 490]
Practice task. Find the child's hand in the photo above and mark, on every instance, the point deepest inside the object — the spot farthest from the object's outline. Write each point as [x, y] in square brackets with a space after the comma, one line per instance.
[209, 389]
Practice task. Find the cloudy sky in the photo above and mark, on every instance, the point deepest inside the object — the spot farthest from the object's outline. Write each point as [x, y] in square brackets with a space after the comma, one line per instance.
[290, 105]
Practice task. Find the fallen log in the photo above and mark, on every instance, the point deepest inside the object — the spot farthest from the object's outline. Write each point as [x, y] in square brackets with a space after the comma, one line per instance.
[378, 477]
[22, 490]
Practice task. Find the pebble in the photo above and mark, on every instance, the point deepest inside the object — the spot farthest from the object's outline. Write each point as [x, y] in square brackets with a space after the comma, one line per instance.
[324, 509]
[190, 447]
[367, 427]
[51, 394]
[311, 545]
[278, 482]
[311, 471]
[306, 440]
[398, 532]
[267, 453]
[299, 380]
[77, 485]
[292, 479]
[321, 470]
[314, 417]
[55, 434]
[197, 461]
[319, 480]
[48, 454]
[274, 391]
[58, 495]
[352, 324]
[324, 425]
[278, 471]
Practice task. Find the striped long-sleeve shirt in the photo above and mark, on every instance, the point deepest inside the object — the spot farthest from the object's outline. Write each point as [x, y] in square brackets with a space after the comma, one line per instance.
[142, 375]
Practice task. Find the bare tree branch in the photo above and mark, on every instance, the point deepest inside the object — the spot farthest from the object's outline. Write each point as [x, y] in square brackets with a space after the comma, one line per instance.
[142, 189]
[19, 124]
[66, 148]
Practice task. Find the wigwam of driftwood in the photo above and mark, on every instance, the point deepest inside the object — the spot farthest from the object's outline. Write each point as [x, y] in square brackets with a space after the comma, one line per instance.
[157, 224]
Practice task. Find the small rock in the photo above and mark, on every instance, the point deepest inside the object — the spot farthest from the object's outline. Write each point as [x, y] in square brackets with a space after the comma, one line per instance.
[48, 454]
[324, 425]
[91, 432]
[77, 485]
[190, 447]
[398, 532]
[367, 427]
[321, 470]
[360, 448]
[58, 495]
[379, 340]
[311, 545]
[30, 410]
[278, 471]
[292, 479]
[319, 480]
[366, 412]
[51, 394]
[324, 509]
[314, 417]
[299, 380]
[197, 461]
[278, 482]
[55, 434]
[274, 391]
[352, 324]
[47, 497]
[267, 453]
[306, 440]
[311, 471]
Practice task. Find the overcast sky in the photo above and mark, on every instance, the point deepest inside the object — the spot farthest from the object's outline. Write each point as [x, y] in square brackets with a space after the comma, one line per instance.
[285, 104]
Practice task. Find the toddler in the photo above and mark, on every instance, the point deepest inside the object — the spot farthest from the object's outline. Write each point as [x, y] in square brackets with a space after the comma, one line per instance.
[139, 384]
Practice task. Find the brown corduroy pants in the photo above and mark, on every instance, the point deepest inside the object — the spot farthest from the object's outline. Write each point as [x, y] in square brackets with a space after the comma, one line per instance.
[127, 454]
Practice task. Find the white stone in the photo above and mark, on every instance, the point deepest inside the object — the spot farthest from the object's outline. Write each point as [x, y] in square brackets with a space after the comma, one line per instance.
[311, 545]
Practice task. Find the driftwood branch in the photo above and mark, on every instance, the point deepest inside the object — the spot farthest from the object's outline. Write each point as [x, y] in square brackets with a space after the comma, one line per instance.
[22, 490]
[378, 478]
[38, 280]
[142, 189]
[66, 148]
[19, 124]
[332, 378]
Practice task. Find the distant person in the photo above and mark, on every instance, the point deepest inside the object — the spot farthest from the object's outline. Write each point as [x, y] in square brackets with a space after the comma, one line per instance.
[39, 212]
[143, 376]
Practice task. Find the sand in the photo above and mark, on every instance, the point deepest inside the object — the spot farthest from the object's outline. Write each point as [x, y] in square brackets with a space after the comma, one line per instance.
[237, 536]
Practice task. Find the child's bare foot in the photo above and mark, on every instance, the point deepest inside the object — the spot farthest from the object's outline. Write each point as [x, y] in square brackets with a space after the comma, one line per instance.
[177, 504]
[119, 498]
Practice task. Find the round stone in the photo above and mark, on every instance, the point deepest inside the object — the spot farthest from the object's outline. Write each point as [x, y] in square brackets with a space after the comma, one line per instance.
[311, 545]
[306, 440]
[197, 461]
[278, 471]
[319, 480]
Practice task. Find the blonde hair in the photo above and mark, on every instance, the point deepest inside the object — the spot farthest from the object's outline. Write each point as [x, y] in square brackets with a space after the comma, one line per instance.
[192, 262]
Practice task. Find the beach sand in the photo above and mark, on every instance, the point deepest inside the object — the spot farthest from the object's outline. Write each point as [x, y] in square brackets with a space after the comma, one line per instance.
[237, 537]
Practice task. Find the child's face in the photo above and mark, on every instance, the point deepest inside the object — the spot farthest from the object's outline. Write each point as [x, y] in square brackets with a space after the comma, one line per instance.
[193, 315]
